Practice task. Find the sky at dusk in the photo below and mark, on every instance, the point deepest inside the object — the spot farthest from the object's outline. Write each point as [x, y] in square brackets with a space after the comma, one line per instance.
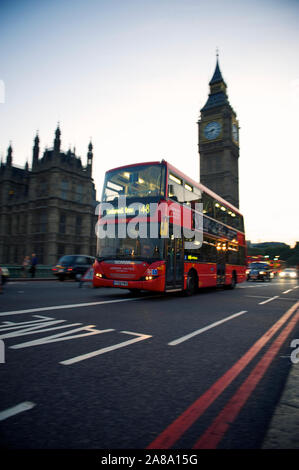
[133, 76]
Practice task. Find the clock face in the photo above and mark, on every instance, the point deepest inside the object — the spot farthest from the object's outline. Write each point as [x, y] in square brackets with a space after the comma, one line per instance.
[212, 130]
[235, 132]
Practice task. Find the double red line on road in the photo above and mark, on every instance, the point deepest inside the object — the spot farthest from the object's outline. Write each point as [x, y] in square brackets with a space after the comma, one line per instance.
[213, 435]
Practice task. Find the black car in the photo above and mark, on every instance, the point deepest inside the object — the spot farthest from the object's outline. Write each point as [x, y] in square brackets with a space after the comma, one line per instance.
[72, 266]
[259, 272]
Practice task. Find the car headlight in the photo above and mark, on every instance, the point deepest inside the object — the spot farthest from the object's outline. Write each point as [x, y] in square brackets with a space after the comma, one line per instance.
[262, 272]
[282, 274]
[293, 274]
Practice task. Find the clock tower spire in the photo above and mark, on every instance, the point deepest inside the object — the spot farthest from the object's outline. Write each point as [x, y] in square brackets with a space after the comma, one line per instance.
[218, 141]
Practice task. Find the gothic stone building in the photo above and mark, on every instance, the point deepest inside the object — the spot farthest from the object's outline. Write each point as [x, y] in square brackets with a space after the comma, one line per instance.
[218, 138]
[48, 209]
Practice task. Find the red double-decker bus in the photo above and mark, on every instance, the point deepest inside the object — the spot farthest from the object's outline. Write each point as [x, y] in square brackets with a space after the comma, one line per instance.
[169, 250]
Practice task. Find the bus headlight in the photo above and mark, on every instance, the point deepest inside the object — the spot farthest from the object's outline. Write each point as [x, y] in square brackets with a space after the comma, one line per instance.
[99, 275]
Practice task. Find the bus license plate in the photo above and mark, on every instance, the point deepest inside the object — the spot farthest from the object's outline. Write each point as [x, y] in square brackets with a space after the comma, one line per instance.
[120, 283]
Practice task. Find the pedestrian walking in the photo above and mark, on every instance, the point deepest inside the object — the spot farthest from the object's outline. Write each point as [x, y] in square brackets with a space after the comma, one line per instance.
[33, 264]
[25, 265]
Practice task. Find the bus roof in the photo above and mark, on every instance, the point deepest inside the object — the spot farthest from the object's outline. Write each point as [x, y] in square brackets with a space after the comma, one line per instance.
[134, 164]
[184, 176]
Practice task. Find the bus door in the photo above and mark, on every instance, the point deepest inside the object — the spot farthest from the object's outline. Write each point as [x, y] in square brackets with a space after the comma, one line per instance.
[221, 260]
[175, 262]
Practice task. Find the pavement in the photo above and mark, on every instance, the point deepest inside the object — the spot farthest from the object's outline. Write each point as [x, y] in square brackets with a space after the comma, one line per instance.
[283, 431]
[26, 279]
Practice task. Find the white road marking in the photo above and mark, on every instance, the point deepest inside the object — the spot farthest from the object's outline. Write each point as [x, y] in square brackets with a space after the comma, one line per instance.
[9, 325]
[264, 297]
[26, 405]
[202, 330]
[141, 337]
[287, 291]
[269, 300]
[257, 285]
[62, 336]
[39, 328]
[60, 307]
[257, 296]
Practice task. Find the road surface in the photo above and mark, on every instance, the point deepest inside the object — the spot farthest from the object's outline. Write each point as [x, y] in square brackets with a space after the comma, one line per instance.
[91, 368]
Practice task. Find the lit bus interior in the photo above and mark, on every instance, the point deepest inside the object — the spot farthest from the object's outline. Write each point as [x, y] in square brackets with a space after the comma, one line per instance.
[136, 181]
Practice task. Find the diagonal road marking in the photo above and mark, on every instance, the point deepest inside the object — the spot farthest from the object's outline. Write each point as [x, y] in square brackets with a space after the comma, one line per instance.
[26, 405]
[175, 342]
[83, 357]
[269, 300]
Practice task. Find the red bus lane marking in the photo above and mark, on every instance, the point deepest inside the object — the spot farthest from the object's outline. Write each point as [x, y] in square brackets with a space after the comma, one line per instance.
[214, 434]
[180, 425]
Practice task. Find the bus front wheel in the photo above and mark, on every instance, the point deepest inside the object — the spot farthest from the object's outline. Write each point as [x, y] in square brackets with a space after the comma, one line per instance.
[134, 291]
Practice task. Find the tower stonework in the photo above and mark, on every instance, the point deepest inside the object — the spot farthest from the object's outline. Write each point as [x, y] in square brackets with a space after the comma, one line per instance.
[218, 142]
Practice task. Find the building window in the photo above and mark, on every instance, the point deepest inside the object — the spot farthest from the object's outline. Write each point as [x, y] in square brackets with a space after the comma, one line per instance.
[43, 222]
[79, 193]
[39, 252]
[42, 188]
[64, 189]
[7, 254]
[18, 223]
[62, 223]
[40, 222]
[23, 223]
[78, 228]
[9, 224]
[15, 258]
[60, 250]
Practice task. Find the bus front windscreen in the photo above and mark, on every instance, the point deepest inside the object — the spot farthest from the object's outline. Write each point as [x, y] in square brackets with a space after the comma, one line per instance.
[132, 247]
[134, 182]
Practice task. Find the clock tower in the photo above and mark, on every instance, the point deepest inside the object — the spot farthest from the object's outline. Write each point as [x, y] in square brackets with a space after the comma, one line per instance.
[218, 142]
